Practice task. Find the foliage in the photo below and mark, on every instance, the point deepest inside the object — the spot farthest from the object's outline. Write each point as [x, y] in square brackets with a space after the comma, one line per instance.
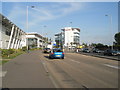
[100, 46]
[7, 52]
[117, 38]
[84, 44]
[24, 48]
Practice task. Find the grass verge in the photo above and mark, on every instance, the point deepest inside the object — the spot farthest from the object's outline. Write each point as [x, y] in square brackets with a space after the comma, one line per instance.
[5, 59]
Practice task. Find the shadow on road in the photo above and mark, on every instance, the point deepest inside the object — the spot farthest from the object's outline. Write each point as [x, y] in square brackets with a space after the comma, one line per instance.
[46, 57]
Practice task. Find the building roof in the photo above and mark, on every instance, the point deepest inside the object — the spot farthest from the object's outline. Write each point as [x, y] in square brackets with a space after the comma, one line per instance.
[7, 23]
[58, 34]
[34, 33]
[70, 28]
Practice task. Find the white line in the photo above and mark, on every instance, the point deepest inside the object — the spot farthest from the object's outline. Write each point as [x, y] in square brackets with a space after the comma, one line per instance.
[3, 73]
[74, 61]
[45, 67]
[51, 78]
[116, 67]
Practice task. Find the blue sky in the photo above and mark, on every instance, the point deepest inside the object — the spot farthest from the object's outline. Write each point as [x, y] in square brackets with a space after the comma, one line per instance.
[88, 16]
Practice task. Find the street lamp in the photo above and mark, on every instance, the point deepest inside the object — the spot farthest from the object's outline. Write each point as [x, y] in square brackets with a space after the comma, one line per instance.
[43, 26]
[70, 24]
[45, 37]
[27, 25]
[111, 29]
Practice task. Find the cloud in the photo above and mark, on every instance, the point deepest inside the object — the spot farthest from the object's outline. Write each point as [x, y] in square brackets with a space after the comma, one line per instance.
[41, 14]
[56, 11]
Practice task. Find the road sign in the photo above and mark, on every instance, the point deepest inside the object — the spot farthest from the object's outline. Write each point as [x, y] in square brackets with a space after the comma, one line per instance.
[54, 44]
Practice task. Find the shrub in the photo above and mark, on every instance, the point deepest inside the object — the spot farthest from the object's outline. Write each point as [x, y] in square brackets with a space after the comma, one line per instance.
[24, 48]
[7, 52]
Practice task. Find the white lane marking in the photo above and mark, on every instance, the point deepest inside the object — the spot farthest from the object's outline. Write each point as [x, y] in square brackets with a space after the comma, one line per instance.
[3, 73]
[116, 67]
[74, 61]
[45, 66]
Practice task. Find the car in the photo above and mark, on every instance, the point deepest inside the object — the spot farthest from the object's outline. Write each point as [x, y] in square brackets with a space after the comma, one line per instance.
[46, 50]
[56, 53]
[118, 52]
[97, 51]
[110, 52]
[86, 50]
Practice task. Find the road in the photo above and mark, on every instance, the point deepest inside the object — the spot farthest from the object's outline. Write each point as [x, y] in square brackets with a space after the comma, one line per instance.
[36, 70]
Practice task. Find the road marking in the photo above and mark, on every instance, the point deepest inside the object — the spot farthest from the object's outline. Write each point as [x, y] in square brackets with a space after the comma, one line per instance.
[116, 67]
[74, 61]
[3, 73]
[45, 66]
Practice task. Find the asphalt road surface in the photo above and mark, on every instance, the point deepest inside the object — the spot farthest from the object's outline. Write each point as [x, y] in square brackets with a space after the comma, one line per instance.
[36, 70]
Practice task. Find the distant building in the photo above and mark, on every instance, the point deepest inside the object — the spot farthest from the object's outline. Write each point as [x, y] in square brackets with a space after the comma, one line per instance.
[35, 40]
[69, 37]
[11, 36]
[59, 39]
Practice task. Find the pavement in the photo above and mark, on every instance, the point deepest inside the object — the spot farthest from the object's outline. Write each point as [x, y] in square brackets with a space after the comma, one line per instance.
[99, 55]
[26, 71]
[117, 58]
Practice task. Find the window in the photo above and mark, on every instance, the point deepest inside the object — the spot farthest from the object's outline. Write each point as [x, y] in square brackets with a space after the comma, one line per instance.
[7, 32]
[76, 33]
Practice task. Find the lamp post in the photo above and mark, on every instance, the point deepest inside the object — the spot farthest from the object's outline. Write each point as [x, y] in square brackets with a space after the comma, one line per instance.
[45, 36]
[27, 25]
[70, 24]
[111, 29]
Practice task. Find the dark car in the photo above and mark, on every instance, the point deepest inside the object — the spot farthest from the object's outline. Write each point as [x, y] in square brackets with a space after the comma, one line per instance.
[110, 52]
[46, 50]
[56, 53]
[118, 53]
[86, 50]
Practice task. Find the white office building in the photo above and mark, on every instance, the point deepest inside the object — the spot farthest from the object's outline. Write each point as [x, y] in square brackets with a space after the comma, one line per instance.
[35, 40]
[11, 36]
[69, 37]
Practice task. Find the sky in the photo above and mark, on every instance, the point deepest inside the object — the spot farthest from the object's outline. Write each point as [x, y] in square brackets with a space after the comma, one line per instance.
[50, 17]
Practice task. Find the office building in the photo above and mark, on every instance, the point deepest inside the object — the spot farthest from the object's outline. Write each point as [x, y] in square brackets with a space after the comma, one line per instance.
[36, 40]
[11, 36]
[68, 38]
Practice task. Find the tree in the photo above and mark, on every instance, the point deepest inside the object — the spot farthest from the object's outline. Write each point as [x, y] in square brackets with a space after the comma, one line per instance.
[101, 46]
[117, 41]
[93, 44]
[84, 44]
[117, 38]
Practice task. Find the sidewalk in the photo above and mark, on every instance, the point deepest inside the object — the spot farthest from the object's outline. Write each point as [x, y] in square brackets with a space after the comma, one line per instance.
[117, 58]
[26, 71]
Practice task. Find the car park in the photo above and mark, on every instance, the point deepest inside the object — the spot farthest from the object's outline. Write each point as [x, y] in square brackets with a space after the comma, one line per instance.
[118, 52]
[56, 53]
[97, 51]
[110, 52]
[86, 50]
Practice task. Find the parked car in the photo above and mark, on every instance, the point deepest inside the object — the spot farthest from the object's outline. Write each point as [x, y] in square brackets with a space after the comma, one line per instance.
[97, 51]
[46, 50]
[56, 53]
[110, 52]
[86, 50]
[118, 53]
